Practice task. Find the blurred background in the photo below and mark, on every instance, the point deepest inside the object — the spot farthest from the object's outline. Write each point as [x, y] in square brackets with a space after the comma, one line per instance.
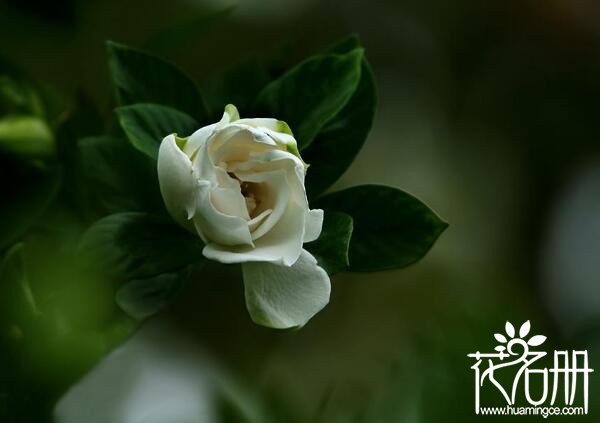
[488, 112]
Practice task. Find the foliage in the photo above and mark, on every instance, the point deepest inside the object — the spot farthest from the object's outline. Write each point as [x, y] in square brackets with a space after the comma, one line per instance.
[88, 192]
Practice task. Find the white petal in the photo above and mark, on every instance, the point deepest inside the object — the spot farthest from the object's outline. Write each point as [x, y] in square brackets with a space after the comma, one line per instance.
[276, 197]
[177, 182]
[197, 139]
[267, 169]
[285, 297]
[217, 226]
[253, 224]
[278, 130]
[267, 123]
[272, 159]
[281, 245]
[285, 239]
[201, 162]
[231, 143]
[230, 114]
[230, 201]
[314, 225]
[201, 136]
[235, 144]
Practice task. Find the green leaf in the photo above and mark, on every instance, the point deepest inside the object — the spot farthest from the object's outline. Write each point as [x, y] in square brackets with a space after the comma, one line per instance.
[336, 146]
[26, 136]
[140, 245]
[344, 45]
[81, 119]
[239, 85]
[140, 77]
[147, 124]
[112, 170]
[37, 188]
[331, 248]
[392, 229]
[142, 298]
[312, 93]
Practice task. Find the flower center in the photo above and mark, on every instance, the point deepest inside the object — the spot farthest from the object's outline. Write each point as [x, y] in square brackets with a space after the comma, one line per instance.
[250, 191]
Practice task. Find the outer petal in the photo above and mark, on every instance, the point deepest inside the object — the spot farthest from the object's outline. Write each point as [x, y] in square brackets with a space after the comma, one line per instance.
[285, 297]
[197, 139]
[178, 185]
[314, 225]
[230, 114]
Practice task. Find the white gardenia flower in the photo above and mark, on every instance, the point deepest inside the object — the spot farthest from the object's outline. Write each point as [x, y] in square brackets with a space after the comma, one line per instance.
[239, 185]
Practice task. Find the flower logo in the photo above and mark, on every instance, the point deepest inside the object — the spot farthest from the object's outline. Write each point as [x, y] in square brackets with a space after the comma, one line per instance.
[510, 338]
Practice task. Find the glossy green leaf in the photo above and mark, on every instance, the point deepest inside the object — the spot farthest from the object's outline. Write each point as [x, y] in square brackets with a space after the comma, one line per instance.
[111, 169]
[392, 229]
[147, 124]
[140, 77]
[80, 120]
[142, 298]
[331, 248]
[338, 143]
[312, 93]
[140, 245]
[239, 85]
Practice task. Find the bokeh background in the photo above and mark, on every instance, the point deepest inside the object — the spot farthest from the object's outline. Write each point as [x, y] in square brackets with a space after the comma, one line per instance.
[488, 112]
